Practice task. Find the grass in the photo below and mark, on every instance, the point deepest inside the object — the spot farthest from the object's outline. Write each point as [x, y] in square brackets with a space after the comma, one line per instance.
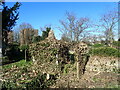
[21, 63]
[98, 45]
[117, 87]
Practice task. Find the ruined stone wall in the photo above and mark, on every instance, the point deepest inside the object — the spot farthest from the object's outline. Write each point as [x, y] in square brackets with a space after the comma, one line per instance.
[51, 54]
[102, 64]
[45, 54]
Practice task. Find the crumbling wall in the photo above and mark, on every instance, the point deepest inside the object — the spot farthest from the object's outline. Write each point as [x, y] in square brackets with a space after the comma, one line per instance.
[102, 64]
[49, 56]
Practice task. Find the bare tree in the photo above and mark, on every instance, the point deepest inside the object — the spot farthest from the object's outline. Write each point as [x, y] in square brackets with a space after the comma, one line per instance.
[108, 23]
[25, 26]
[16, 35]
[27, 34]
[44, 28]
[65, 38]
[73, 27]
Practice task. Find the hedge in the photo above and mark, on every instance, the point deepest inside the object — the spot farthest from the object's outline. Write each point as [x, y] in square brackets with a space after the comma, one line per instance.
[116, 43]
[98, 45]
[105, 51]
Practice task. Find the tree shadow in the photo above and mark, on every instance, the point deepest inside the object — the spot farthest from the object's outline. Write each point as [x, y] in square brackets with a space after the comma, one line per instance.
[13, 54]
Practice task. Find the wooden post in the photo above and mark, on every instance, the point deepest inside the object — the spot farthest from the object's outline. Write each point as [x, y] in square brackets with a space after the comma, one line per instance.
[78, 67]
[78, 71]
[25, 55]
[26, 52]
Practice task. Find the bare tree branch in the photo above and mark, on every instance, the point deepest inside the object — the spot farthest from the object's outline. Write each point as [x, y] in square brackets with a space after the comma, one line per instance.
[109, 22]
[73, 27]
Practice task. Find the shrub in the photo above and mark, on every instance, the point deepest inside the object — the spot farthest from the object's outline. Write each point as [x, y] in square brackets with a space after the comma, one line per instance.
[5, 59]
[37, 39]
[37, 82]
[116, 43]
[23, 47]
[13, 54]
[45, 44]
[67, 68]
[98, 45]
[41, 82]
[8, 85]
[105, 51]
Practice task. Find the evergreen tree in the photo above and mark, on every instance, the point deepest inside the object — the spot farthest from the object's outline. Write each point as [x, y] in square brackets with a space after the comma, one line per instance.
[45, 33]
[37, 39]
[9, 18]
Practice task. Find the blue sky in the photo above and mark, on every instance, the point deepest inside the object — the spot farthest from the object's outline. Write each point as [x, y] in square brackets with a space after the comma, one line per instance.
[39, 14]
